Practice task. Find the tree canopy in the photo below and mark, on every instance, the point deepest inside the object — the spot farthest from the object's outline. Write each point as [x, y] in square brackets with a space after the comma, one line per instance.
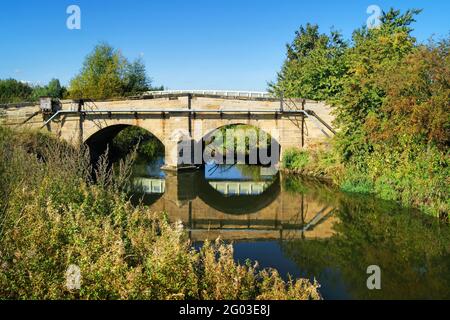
[53, 89]
[13, 91]
[382, 80]
[106, 73]
[313, 66]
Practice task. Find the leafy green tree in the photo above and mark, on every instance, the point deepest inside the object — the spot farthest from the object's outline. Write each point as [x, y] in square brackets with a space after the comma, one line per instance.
[374, 52]
[53, 89]
[136, 79]
[106, 73]
[12, 91]
[417, 99]
[313, 67]
[390, 98]
[125, 142]
[101, 75]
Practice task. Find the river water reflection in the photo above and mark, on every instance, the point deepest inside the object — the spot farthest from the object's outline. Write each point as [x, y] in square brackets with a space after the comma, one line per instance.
[305, 229]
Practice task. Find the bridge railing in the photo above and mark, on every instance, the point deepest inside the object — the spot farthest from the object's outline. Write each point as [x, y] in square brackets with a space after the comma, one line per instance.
[226, 93]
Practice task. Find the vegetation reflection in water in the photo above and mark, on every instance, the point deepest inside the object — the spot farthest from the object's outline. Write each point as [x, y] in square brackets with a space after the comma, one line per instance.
[306, 228]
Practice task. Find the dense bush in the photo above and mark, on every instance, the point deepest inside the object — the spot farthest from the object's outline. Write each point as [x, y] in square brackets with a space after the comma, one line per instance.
[295, 159]
[52, 216]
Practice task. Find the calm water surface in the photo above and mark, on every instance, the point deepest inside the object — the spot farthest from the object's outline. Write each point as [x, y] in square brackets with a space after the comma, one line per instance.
[305, 229]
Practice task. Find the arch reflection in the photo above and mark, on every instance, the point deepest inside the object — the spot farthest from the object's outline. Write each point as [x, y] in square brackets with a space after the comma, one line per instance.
[236, 203]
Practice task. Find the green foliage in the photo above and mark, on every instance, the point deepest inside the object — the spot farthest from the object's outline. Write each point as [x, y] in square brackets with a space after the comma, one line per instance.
[314, 65]
[53, 90]
[106, 73]
[391, 107]
[12, 91]
[136, 79]
[294, 159]
[316, 162]
[374, 54]
[240, 138]
[417, 99]
[357, 183]
[53, 216]
[101, 75]
[127, 140]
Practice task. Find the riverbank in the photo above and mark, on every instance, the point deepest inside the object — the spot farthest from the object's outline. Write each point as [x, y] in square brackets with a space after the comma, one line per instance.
[418, 180]
[389, 96]
[55, 221]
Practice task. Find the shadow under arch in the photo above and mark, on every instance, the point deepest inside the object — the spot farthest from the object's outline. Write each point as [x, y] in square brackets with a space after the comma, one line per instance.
[240, 204]
[98, 142]
[210, 135]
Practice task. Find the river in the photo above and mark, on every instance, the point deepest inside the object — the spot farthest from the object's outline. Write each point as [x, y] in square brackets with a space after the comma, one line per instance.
[305, 228]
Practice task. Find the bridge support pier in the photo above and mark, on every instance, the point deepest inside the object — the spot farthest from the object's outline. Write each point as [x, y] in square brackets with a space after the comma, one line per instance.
[179, 154]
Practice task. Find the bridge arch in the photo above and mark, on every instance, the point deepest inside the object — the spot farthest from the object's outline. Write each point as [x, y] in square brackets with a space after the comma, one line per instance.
[210, 131]
[98, 141]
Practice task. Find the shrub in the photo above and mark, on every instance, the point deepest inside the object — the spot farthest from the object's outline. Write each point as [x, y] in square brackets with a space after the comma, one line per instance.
[295, 159]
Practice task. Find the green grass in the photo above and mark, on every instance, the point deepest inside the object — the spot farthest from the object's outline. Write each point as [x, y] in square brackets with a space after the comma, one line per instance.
[295, 159]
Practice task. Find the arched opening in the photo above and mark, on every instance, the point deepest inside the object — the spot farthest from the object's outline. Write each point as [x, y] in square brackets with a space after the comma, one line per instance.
[240, 143]
[147, 178]
[122, 139]
[240, 174]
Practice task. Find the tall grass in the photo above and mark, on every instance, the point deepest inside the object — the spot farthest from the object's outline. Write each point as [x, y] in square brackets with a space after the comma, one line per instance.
[56, 211]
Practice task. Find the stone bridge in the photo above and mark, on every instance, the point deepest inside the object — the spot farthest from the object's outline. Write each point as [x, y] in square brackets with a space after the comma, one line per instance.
[173, 116]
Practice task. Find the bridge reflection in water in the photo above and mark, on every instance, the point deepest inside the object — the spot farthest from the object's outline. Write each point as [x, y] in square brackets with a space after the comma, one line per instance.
[237, 209]
[306, 229]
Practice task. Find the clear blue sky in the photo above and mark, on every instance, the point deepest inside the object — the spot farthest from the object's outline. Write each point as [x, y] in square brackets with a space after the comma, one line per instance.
[196, 44]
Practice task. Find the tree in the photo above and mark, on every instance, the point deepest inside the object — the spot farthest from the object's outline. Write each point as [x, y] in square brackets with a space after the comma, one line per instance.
[313, 66]
[417, 99]
[136, 79]
[101, 75]
[374, 52]
[106, 73]
[53, 89]
[12, 91]
[390, 100]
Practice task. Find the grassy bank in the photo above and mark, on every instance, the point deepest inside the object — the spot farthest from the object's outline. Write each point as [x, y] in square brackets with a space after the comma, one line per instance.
[53, 216]
[413, 177]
